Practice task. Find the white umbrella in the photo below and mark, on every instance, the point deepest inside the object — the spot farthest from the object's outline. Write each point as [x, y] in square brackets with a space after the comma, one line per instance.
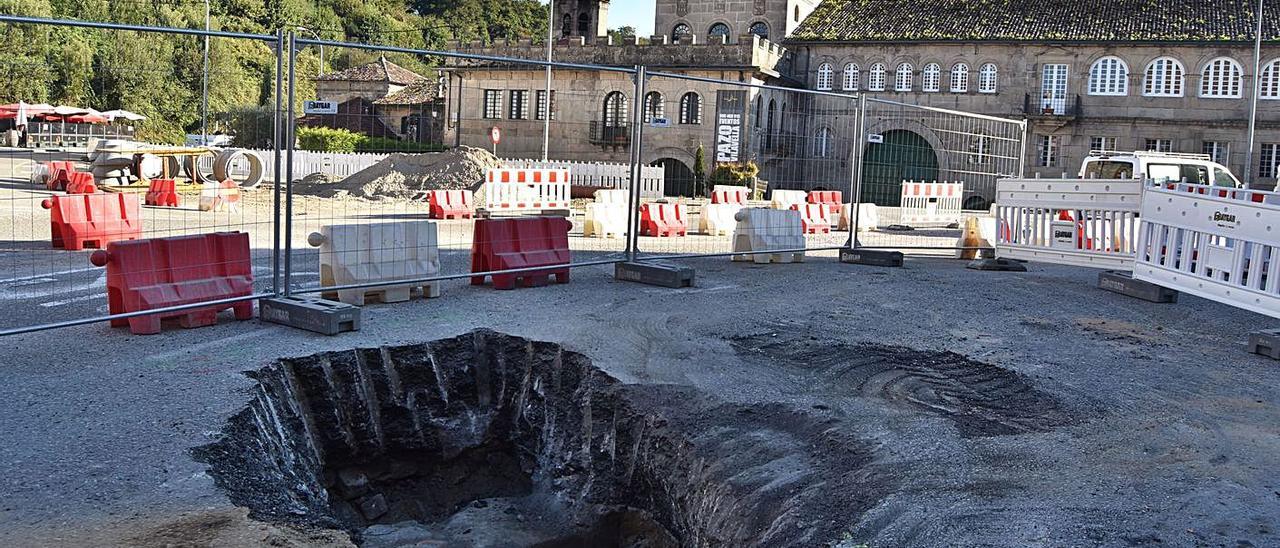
[120, 113]
[21, 119]
[63, 110]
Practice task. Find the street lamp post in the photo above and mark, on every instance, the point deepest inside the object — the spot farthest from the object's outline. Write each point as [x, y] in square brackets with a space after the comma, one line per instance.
[204, 83]
[1253, 102]
[546, 110]
[321, 46]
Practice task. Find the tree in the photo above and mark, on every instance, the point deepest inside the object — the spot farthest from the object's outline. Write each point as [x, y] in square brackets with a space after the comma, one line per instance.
[699, 170]
[622, 35]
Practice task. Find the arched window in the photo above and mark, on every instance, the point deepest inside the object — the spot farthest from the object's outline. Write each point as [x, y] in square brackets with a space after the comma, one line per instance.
[822, 143]
[691, 108]
[1271, 80]
[768, 127]
[825, 75]
[796, 16]
[615, 109]
[718, 29]
[850, 80]
[960, 78]
[653, 106]
[1164, 77]
[931, 78]
[566, 25]
[902, 77]
[1221, 78]
[987, 75]
[680, 31]
[759, 28]
[1109, 76]
[584, 25]
[756, 107]
[875, 77]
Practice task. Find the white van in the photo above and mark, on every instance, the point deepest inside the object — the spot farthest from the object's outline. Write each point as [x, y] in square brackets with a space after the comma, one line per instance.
[1160, 167]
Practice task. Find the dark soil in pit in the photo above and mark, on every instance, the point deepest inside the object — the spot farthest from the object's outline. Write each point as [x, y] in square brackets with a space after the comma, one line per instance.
[493, 440]
[981, 399]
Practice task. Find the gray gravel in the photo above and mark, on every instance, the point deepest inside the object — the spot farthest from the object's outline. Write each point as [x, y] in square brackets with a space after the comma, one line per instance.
[1176, 444]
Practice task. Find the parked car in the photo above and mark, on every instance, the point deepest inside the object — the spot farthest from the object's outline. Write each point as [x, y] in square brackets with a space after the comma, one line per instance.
[1160, 167]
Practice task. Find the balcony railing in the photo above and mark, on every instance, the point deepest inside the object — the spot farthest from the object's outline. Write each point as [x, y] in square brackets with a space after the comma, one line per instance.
[610, 134]
[1050, 104]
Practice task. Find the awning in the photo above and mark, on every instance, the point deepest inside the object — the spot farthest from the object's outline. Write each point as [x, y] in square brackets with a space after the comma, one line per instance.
[124, 114]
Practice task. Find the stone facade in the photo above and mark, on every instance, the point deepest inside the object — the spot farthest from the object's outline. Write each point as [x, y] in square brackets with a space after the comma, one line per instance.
[739, 16]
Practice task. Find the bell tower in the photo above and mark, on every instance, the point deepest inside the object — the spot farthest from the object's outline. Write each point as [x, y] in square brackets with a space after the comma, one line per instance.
[586, 18]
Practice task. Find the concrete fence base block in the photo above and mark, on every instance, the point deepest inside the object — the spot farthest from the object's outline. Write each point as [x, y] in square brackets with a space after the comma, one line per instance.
[871, 257]
[311, 314]
[997, 265]
[1124, 284]
[1265, 343]
[655, 273]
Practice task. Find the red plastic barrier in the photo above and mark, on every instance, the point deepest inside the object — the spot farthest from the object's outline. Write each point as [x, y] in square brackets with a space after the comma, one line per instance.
[737, 196]
[663, 220]
[59, 174]
[163, 192]
[164, 272]
[80, 183]
[451, 204]
[79, 220]
[813, 218]
[833, 199]
[524, 242]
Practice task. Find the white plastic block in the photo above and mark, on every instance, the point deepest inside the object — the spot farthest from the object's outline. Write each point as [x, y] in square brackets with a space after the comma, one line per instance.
[718, 219]
[224, 196]
[868, 217]
[605, 220]
[813, 218]
[611, 196]
[376, 253]
[730, 194]
[784, 199]
[762, 231]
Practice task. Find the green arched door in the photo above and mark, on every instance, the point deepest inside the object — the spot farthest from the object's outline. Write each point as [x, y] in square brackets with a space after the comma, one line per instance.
[904, 155]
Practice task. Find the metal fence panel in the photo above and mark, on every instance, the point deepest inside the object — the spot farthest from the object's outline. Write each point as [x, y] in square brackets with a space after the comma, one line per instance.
[911, 152]
[53, 283]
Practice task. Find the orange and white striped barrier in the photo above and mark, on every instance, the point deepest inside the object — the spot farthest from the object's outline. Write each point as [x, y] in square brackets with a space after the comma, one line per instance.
[930, 203]
[507, 189]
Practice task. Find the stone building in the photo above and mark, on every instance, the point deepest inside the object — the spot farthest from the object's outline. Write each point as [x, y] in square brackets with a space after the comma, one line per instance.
[382, 99]
[1174, 76]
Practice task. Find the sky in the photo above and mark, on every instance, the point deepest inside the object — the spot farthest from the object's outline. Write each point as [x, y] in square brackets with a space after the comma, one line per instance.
[634, 13]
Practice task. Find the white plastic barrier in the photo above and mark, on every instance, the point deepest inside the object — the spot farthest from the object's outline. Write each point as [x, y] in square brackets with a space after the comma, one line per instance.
[770, 235]
[224, 196]
[814, 218]
[377, 253]
[1219, 244]
[868, 217]
[526, 189]
[607, 217]
[1080, 222]
[784, 199]
[933, 203]
[718, 219]
[728, 194]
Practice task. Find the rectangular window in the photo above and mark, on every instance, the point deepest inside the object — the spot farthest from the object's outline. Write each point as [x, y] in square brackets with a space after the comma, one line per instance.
[1269, 161]
[1159, 145]
[541, 113]
[1102, 144]
[492, 104]
[1218, 151]
[1047, 151]
[518, 105]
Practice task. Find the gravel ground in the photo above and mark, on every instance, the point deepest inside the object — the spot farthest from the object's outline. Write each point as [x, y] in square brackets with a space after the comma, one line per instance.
[1172, 435]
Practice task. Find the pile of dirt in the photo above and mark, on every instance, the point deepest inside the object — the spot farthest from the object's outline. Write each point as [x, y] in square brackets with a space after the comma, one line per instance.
[406, 176]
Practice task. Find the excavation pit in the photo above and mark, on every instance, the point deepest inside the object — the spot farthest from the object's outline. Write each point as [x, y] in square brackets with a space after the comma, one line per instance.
[491, 440]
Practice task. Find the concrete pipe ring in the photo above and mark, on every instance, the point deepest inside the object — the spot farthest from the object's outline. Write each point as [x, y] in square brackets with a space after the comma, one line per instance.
[223, 163]
[191, 166]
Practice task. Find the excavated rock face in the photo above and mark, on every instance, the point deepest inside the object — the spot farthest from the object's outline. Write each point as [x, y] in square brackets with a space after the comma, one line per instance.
[448, 432]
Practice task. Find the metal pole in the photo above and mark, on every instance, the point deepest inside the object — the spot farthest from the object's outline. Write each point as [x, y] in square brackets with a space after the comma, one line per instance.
[633, 198]
[204, 85]
[1022, 154]
[288, 177]
[857, 170]
[275, 146]
[546, 111]
[1253, 101]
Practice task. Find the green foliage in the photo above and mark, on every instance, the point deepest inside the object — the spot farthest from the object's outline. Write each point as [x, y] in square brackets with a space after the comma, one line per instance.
[323, 139]
[699, 170]
[251, 126]
[384, 144]
[161, 75]
[734, 174]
